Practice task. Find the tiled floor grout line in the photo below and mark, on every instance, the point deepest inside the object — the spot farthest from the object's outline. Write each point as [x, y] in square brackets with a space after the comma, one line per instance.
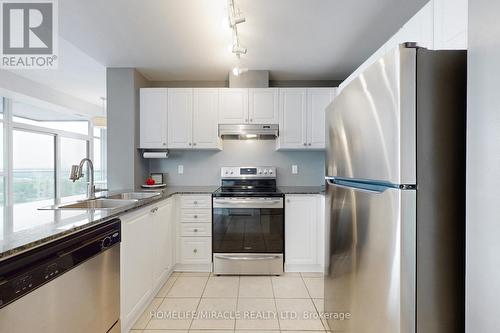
[237, 301]
[275, 304]
[162, 298]
[312, 300]
[199, 301]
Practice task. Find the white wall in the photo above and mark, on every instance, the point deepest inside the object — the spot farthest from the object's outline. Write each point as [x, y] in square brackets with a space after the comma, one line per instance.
[483, 169]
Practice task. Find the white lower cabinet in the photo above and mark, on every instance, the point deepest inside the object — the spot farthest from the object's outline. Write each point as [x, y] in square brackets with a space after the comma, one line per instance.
[146, 258]
[194, 230]
[304, 232]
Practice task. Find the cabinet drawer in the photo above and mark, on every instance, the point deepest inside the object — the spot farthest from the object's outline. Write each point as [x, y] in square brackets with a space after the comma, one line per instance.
[196, 201]
[196, 215]
[195, 250]
[196, 229]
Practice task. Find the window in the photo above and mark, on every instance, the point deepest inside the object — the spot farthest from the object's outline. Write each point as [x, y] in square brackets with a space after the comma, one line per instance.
[33, 173]
[38, 146]
[100, 157]
[72, 151]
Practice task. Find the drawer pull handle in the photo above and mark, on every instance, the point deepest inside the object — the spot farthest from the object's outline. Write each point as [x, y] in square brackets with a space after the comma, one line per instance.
[195, 230]
[195, 250]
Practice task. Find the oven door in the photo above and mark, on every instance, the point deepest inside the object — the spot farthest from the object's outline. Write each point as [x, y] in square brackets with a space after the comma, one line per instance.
[248, 235]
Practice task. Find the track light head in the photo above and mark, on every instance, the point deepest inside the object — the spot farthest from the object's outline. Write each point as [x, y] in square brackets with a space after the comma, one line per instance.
[237, 49]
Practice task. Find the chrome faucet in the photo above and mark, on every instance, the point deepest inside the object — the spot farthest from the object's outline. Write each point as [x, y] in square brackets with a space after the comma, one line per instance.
[77, 173]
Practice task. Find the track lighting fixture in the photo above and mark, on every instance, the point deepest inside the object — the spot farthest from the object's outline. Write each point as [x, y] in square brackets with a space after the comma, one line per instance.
[236, 17]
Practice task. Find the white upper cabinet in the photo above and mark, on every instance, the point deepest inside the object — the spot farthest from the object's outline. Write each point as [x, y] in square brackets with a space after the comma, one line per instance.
[292, 118]
[205, 125]
[450, 24]
[233, 106]
[153, 118]
[302, 117]
[263, 105]
[439, 25]
[180, 117]
[317, 101]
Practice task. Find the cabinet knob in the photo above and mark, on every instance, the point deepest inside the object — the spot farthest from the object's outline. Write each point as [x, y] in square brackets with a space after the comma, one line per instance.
[154, 210]
[189, 143]
[305, 144]
[195, 230]
[195, 202]
[251, 120]
[288, 200]
[194, 144]
[195, 250]
[309, 144]
[164, 143]
[196, 216]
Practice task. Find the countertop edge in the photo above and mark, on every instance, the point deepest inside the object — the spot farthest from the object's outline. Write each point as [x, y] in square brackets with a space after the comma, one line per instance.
[166, 194]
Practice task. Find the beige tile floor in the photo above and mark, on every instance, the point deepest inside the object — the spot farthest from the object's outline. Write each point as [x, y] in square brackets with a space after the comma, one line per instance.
[262, 302]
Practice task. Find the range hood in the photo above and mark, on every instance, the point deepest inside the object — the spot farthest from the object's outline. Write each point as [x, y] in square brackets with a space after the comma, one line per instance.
[248, 131]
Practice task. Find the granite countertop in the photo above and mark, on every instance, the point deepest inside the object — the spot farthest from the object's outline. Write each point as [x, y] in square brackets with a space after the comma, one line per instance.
[49, 225]
[302, 189]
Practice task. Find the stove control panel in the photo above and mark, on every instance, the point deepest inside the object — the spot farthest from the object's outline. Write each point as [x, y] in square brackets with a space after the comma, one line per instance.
[248, 172]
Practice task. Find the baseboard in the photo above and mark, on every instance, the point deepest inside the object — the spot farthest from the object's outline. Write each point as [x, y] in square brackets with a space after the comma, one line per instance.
[193, 267]
[127, 323]
[305, 268]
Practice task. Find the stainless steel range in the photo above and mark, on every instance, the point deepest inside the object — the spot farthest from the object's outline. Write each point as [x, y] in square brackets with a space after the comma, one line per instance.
[248, 222]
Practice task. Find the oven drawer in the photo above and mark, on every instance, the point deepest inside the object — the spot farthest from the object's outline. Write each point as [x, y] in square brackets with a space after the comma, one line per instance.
[195, 250]
[195, 229]
[196, 215]
[196, 201]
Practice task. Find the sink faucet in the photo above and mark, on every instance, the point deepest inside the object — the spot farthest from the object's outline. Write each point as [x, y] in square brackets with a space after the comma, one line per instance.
[77, 173]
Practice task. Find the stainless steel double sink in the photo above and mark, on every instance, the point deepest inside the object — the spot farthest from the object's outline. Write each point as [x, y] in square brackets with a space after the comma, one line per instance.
[110, 202]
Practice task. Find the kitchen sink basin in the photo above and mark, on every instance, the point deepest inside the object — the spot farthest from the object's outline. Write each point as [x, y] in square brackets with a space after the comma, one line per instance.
[96, 204]
[133, 195]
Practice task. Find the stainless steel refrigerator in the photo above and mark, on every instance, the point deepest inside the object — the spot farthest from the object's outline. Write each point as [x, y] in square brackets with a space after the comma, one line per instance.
[395, 204]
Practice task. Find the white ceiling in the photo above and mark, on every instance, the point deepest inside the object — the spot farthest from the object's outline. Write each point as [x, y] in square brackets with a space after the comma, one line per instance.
[186, 40]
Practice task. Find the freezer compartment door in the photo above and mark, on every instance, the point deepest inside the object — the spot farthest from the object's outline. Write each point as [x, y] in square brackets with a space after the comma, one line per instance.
[370, 285]
[371, 124]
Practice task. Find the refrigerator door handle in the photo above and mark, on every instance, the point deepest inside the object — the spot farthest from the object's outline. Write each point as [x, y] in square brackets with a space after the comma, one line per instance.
[366, 185]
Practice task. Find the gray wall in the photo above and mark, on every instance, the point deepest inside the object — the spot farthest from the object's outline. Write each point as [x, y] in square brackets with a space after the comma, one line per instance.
[126, 168]
[483, 169]
[203, 167]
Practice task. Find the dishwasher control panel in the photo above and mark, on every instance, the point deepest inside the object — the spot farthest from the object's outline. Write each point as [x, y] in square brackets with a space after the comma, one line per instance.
[24, 273]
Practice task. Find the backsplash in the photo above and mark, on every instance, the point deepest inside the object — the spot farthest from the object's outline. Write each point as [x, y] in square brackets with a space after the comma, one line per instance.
[203, 167]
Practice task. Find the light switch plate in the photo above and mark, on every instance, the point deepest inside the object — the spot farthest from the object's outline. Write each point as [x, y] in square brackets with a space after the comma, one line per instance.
[295, 169]
[180, 169]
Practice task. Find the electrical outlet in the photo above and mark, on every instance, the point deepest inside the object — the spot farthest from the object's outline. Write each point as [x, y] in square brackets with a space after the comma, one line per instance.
[295, 169]
[180, 169]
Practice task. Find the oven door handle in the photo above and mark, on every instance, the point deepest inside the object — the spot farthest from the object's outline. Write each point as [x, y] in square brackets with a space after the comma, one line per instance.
[247, 203]
[228, 257]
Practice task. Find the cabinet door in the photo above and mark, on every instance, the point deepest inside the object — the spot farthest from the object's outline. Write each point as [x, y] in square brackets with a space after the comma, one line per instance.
[292, 119]
[317, 101]
[263, 105]
[301, 223]
[233, 105]
[205, 113]
[450, 24]
[180, 117]
[164, 240]
[136, 263]
[195, 250]
[153, 117]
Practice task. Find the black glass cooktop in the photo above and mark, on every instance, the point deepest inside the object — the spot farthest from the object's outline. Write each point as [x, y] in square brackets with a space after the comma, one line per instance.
[248, 188]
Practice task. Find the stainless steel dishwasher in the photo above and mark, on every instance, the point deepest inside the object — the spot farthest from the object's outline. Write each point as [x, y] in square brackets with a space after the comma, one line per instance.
[69, 285]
